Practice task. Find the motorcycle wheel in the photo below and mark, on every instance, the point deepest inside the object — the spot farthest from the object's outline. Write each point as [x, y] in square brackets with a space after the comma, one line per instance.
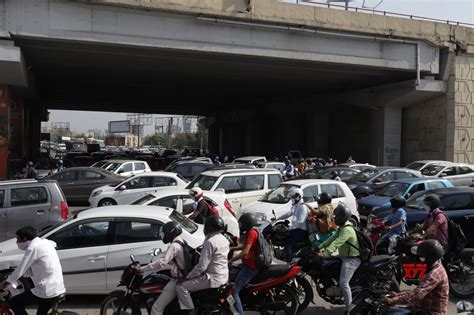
[305, 293]
[117, 304]
[461, 283]
[280, 300]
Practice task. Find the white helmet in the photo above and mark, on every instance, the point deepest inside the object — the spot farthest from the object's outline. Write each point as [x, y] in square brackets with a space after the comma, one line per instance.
[296, 193]
[196, 192]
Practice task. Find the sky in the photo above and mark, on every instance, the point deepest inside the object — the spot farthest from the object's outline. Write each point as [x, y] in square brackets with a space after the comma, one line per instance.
[453, 10]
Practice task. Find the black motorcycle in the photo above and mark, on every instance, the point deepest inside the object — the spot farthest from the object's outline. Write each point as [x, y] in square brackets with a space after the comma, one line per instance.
[369, 302]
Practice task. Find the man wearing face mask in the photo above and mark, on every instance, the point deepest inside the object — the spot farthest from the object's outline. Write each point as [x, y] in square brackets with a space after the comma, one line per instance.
[40, 263]
[201, 208]
[299, 215]
[435, 224]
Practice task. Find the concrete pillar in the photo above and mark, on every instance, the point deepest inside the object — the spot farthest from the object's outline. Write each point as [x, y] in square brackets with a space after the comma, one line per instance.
[4, 130]
[392, 135]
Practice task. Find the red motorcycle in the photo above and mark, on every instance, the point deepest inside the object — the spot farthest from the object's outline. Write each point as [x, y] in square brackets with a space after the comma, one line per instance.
[375, 228]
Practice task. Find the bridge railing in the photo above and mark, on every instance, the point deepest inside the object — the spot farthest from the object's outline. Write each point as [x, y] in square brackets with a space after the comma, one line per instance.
[384, 13]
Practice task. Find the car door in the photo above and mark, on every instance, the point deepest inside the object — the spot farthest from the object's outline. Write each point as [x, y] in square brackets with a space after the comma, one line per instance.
[88, 180]
[67, 180]
[82, 248]
[126, 169]
[465, 176]
[139, 167]
[253, 188]
[233, 188]
[134, 189]
[133, 236]
[162, 181]
[3, 216]
[450, 173]
[28, 206]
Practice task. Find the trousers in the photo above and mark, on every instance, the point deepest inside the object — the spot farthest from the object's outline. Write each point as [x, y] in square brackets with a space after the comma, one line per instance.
[184, 290]
[165, 298]
[245, 275]
[19, 302]
[348, 267]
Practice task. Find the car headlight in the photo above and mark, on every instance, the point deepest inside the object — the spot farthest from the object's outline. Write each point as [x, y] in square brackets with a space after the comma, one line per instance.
[261, 217]
[96, 193]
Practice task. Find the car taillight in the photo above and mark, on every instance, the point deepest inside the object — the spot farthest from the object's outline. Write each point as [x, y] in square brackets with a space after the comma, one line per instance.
[64, 210]
[229, 208]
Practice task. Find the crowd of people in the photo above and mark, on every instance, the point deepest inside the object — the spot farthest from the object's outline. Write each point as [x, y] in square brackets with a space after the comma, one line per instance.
[328, 229]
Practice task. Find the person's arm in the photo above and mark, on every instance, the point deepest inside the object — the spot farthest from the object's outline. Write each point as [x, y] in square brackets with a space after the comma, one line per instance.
[163, 260]
[197, 212]
[301, 214]
[244, 252]
[237, 248]
[419, 293]
[396, 224]
[23, 268]
[328, 242]
[204, 261]
[342, 238]
[432, 229]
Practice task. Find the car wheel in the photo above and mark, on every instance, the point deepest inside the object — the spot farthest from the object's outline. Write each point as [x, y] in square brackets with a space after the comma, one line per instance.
[107, 202]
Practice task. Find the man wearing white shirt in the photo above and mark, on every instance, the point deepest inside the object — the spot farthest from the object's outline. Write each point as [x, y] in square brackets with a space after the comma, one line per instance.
[40, 263]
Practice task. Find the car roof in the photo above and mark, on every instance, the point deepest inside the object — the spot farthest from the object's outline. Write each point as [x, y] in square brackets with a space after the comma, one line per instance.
[220, 172]
[133, 211]
[25, 181]
[156, 173]
[250, 157]
[182, 191]
[301, 182]
[384, 168]
[122, 161]
[430, 161]
[418, 180]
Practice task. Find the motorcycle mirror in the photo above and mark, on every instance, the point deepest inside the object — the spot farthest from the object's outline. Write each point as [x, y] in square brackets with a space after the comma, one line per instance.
[132, 258]
[274, 214]
[157, 251]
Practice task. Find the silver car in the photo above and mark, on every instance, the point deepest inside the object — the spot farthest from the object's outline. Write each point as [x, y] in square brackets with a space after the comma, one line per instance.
[37, 203]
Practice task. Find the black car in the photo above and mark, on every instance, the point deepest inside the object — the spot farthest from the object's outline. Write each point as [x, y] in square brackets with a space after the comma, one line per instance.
[325, 173]
[458, 204]
[188, 169]
[371, 180]
[77, 183]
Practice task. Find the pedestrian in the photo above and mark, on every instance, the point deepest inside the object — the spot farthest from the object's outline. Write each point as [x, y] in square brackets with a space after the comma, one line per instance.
[396, 224]
[309, 164]
[40, 263]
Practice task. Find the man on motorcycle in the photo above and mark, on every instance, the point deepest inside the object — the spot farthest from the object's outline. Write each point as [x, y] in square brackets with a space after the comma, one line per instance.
[170, 233]
[320, 221]
[396, 223]
[41, 264]
[201, 210]
[299, 215]
[431, 296]
[248, 268]
[435, 225]
[212, 270]
[345, 241]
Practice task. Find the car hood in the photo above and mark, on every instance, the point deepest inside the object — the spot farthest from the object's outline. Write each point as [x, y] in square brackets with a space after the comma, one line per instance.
[10, 255]
[375, 201]
[266, 208]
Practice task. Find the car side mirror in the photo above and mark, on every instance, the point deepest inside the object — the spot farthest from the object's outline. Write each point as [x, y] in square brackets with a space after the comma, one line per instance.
[378, 180]
[443, 175]
[123, 187]
[157, 252]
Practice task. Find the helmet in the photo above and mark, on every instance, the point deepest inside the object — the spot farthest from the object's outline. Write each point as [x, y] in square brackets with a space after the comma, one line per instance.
[196, 192]
[324, 199]
[430, 251]
[213, 224]
[334, 174]
[60, 161]
[341, 214]
[297, 194]
[432, 201]
[247, 221]
[169, 231]
[397, 201]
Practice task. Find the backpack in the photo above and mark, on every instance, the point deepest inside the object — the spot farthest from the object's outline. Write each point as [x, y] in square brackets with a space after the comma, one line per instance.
[366, 247]
[264, 255]
[212, 209]
[456, 237]
[191, 257]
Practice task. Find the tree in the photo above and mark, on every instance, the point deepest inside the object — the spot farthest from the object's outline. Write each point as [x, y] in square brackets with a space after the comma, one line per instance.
[155, 139]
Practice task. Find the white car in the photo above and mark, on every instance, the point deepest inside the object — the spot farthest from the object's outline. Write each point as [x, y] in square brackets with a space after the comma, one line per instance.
[278, 200]
[459, 174]
[181, 201]
[127, 167]
[422, 164]
[134, 187]
[95, 245]
[250, 160]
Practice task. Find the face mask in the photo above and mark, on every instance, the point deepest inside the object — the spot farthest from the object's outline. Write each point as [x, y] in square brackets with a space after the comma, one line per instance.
[23, 245]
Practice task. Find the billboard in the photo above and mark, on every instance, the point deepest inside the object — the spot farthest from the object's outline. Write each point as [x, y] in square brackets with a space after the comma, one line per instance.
[119, 126]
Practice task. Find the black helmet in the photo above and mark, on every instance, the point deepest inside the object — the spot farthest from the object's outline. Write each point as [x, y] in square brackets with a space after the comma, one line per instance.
[324, 199]
[398, 201]
[341, 214]
[247, 221]
[213, 224]
[432, 201]
[430, 250]
[170, 230]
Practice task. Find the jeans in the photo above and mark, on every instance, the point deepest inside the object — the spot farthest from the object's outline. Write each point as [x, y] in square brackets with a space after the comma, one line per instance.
[165, 298]
[392, 242]
[348, 267]
[18, 303]
[297, 235]
[245, 275]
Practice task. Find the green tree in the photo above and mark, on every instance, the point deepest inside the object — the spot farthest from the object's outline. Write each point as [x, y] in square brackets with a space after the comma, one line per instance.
[156, 139]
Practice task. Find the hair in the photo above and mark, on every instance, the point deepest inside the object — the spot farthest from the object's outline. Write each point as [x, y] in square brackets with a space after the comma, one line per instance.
[27, 232]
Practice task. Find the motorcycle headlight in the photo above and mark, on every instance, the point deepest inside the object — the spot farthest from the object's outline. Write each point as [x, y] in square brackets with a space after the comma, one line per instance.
[96, 193]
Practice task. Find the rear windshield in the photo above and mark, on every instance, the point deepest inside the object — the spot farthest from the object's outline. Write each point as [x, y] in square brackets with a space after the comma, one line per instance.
[204, 182]
[432, 169]
[143, 200]
[416, 166]
[185, 223]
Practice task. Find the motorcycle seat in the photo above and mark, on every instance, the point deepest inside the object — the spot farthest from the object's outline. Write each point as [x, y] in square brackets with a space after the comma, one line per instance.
[274, 271]
[466, 253]
[375, 260]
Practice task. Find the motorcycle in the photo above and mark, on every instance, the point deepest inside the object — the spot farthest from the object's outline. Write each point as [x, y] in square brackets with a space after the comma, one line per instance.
[377, 274]
[368, 302]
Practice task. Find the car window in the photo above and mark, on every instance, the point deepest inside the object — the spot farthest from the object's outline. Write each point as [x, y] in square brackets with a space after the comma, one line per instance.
[203, 181]
[434, 185]
[274, 180]
[197, 169]
[455, 202]
[170, 202]
[450, 171]
[162, 181]
[340, 192]
[432, 170]
[185, 223]
[231, 184]
[137, 231]
[465, 170]
[83, 234]
[139, 166]
[2, 198]
[347, 173]
[188, 203]
[279, 195]
[387, 176]
[66, 176]
[126, 168]
[416, 188]
[139, 182]
[90, 175]
[330, 189]
[403, 175]
[28, 196]
[310, 194]
[253, 182]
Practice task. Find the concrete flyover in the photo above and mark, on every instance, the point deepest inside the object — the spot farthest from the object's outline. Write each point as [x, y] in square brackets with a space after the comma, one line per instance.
[268, 76]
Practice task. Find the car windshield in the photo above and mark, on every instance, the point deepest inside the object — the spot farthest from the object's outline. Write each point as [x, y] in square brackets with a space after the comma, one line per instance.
[185, 223]
[99, 164]
[365, 175]
[143, 200]
[47, 230]
[279, 195]
[432, 169]
[393, 189]
[416, 201]
[242, 161]
[416, 166]
[113, 166]
[171, 167]
[203, 181]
